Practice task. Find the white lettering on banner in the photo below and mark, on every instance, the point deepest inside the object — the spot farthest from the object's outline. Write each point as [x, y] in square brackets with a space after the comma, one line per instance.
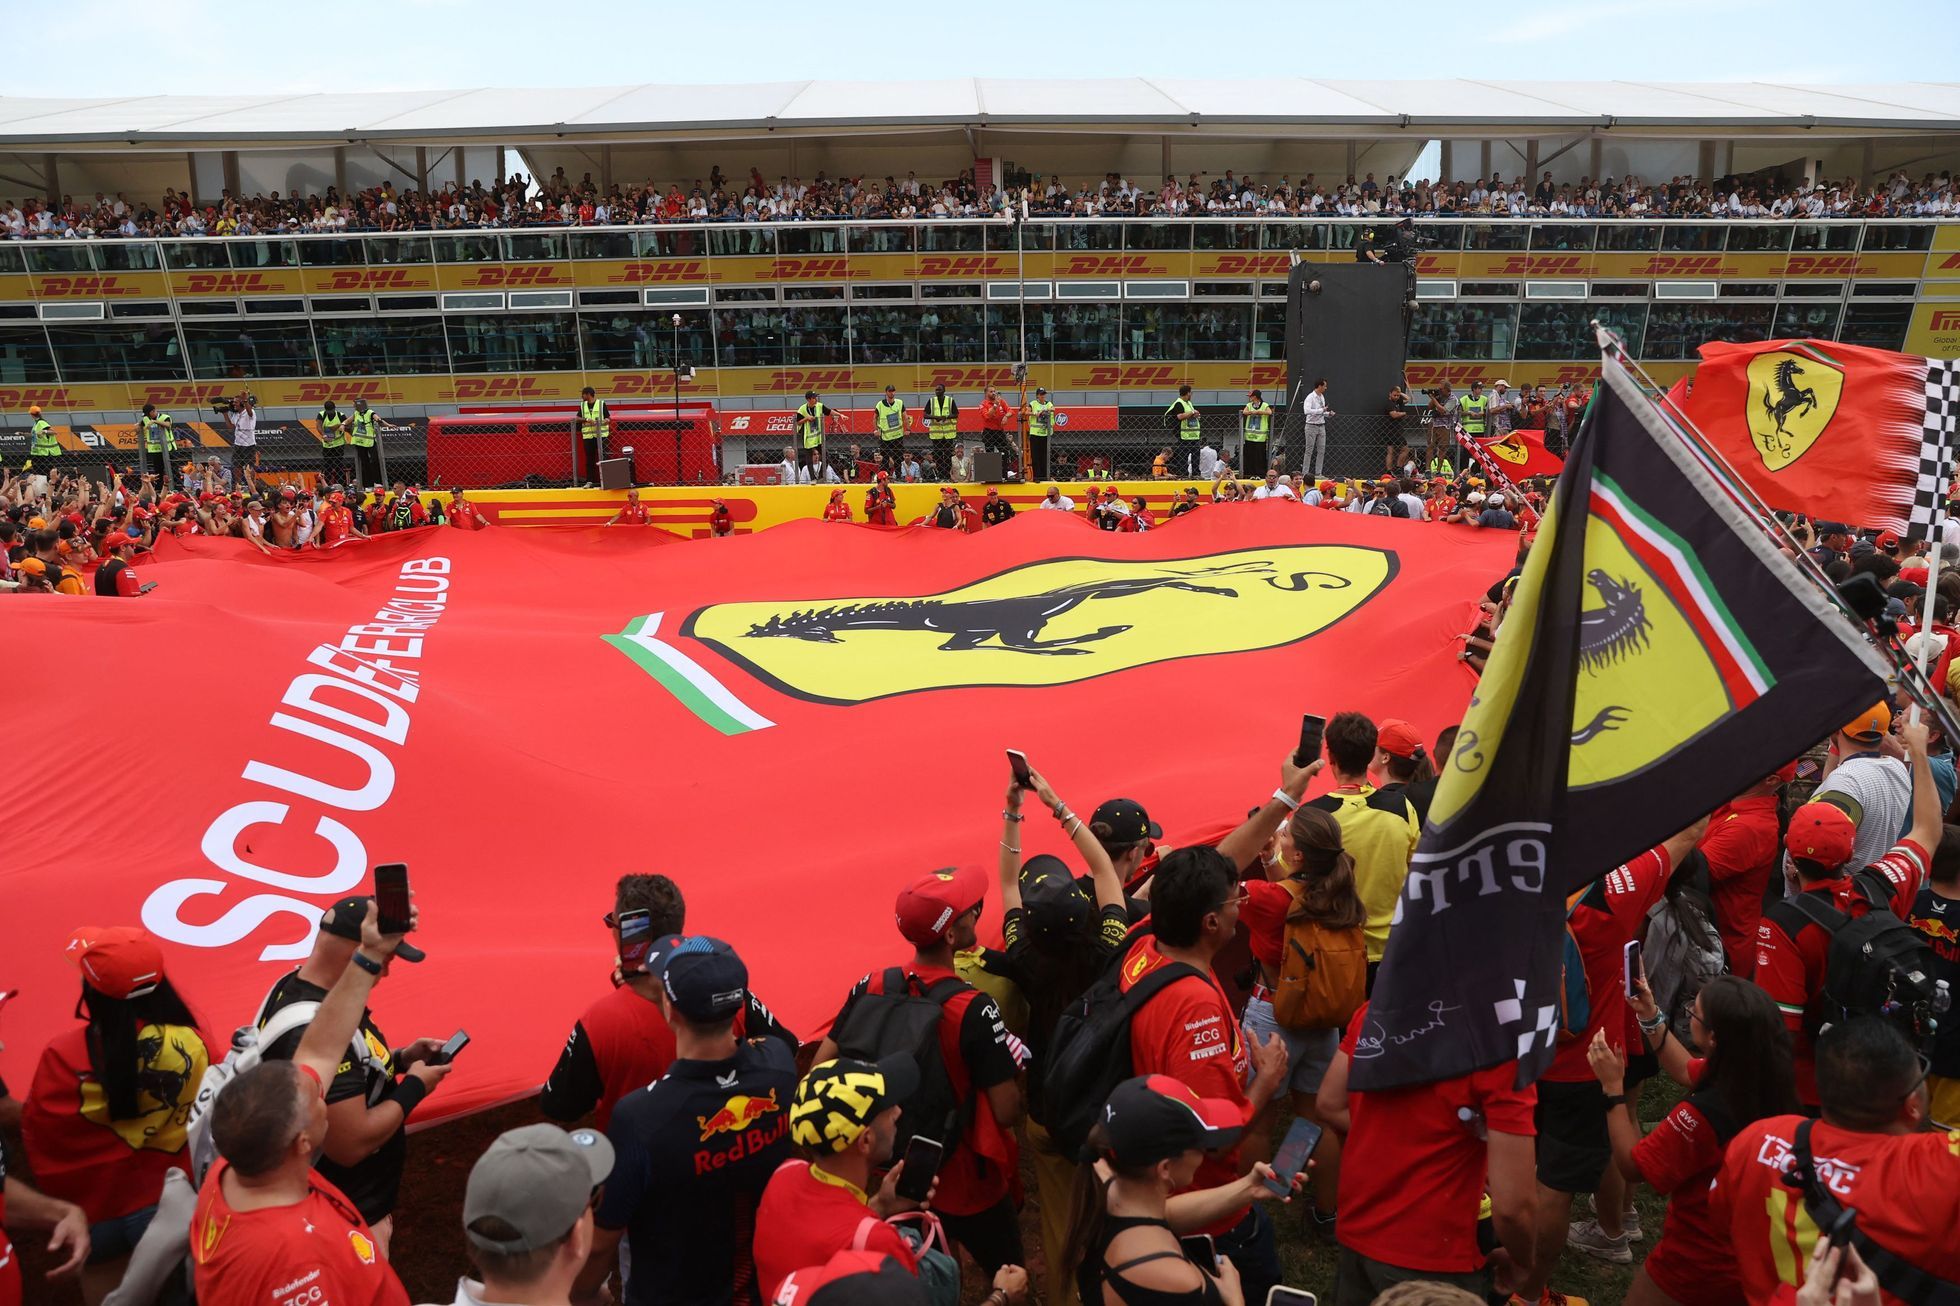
[358, 666]
[1508, 857]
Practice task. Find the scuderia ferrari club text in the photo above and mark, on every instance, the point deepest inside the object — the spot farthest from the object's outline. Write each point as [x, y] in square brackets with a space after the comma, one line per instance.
[355, 692]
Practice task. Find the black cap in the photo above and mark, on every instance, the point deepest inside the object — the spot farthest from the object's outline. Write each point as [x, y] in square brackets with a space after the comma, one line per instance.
[1055, 904]
[1127, 821]
[702, 977]
[1153, 1118]
[343, 921]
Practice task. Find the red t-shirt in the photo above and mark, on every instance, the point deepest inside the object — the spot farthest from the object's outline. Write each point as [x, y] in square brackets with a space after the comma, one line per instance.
[1264, 915]
[1599, 924]
[1791, 970]
[336, 524]
[837, 510]
[1188, 1032]
[1906, 1188]
[632, 1045]
[1631, 889]
[1414, 1168]
[634, 514]
[464, 516]
[806, 1217]
[1741, 847]
[1693, 1262]
[318, 1251]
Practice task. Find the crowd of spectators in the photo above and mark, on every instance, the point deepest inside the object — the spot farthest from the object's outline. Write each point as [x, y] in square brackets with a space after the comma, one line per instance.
[559, 201]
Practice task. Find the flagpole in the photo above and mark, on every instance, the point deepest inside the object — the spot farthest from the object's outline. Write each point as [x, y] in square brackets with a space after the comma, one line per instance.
[1926, 622]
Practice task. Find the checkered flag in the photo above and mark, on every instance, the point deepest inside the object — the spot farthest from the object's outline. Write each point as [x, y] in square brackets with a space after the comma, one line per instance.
[1938, 433]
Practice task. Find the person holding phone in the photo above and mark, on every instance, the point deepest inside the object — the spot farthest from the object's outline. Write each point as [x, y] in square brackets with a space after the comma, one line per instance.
[1138, 1202]
[376, 1087]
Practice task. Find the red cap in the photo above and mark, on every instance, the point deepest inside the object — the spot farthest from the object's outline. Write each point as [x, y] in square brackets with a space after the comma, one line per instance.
[1887, 540]
[1822, 833]
[1398, 739]
[117, 539]
[928, 906]
[117, 961]
[873, 1278]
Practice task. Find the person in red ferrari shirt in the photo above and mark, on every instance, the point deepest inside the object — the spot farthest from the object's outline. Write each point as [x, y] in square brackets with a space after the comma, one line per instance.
[116, 577]
[720, 520]
[463, 514]
[1871, 1152]
[880, 504]
[1744, 1075]
[631, 513]
[1793, 943]
[993, 425]
[1415, 1167]
[1742, 852]
[1188, 1031]
[938, 914]
[1138, 518]
[337, 523]
[837, 509]
[376, 511]
[266, 1220]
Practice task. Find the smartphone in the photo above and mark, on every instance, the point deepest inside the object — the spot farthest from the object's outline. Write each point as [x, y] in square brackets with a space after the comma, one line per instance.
[391, 897]
[635, 941]
[447, 1052]
[1841, 1228]
[146, 587]
[1630, 966]
[1302, 1136]
[1312, 728]
[1018, 762]
[1281, 1295]
[921, 1164]
[1200, 1251]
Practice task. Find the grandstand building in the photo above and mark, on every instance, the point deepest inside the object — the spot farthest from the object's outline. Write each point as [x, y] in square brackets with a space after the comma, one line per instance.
[1104, 310]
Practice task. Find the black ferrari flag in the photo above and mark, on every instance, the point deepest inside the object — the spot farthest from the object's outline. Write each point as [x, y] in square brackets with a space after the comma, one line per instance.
[1659, 655]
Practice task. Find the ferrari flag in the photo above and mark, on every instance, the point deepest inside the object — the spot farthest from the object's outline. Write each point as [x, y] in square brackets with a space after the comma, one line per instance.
[788, 724]
[1521, 455]
[1658, 656]
[1858, 435]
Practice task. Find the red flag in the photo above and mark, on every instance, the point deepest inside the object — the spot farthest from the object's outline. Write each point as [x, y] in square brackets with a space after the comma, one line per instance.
[1832, 430]
[1522, 454]
[787, 724]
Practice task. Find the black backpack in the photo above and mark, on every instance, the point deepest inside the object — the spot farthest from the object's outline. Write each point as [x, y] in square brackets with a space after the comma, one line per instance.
[1090, 1052]
[1903, 1280]
[1877, 964]
[1683, 943]
[899, 1013]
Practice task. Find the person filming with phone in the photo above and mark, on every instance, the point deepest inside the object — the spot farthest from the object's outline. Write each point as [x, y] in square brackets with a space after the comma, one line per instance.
[376, 1086]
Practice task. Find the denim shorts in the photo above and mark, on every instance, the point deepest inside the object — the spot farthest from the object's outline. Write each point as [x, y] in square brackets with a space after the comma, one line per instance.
[111, 1240]
[1308, 1051]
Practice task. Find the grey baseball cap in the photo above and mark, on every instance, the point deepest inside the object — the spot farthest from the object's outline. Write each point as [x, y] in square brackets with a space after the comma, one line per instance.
[538, 1180]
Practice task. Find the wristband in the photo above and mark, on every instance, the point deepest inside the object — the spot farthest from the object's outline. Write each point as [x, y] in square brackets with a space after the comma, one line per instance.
[1292, 803]
[1659, 1024]
[409, 1093]
[367, 963]
[1062, 813]
[1615, 1099]
[1013, 816]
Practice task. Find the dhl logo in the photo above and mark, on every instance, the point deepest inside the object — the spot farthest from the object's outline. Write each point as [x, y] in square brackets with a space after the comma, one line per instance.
[973, 378]
[1573, 373]
[736, 1114]
[1825, 265]
[499, 387]
[1683, 265]
[635, 385]
[1432, 265]
[374, 279]
[1540, 265]
[1951, 263]
[53, 396]
[1944, 319]
[225, 283]
[492, 278]
[964, 265]
[808, 269]
[1249, 265]
[341, 392]
[1261, 376]
[1144, 378]
[1111, 265]
[795, 380]
[1422, 375]
[86, 287]
[634, 274]
[164, 396]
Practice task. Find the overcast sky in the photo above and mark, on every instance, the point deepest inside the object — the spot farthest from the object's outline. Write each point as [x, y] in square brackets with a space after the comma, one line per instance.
[93, 48]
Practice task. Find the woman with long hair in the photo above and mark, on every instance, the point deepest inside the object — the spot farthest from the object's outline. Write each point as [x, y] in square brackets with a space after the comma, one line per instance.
[1124, 1249]
[1745, 1075]
[106, 1114]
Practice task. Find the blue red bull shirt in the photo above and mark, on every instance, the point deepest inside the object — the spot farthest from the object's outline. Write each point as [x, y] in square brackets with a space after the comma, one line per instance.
[694, 1150]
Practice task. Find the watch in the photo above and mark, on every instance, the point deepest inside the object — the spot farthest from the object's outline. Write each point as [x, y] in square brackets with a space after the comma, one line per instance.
[366, 963]
[1615, 1099]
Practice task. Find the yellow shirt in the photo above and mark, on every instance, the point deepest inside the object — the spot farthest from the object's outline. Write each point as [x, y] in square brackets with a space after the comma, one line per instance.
[1379, 831]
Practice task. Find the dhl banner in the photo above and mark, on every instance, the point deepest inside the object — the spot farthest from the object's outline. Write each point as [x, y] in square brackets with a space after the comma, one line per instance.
[1474, 265]
[370, 714]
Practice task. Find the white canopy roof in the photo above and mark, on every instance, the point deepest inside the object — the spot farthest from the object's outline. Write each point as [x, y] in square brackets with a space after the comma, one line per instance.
[1284, 105]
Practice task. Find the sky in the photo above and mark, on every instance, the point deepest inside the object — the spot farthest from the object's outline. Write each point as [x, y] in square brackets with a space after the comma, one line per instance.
[219, 46]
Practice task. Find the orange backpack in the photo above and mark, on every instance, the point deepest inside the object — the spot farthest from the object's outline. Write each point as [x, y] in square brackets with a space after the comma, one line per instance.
[1323, 973]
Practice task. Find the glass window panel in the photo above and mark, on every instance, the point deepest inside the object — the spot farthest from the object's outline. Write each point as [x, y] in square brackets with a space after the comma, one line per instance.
[396, 346]
[602, 244]
[1216, 289]
[329, 253]
[950, 290]
[251, 348]
[1269, 333]
[935, 237]
[742, 240]
[1089, 235]
[1295, 235]
[1221, 235]
[1437, 236]
[1163, 332]
[1750, 290]
[11, 259]
[1489, 289]
[809, 238]
[880, 238]
[117, 353]
[885, 333]
[180, 254]
[59, 256]
[1084, 333]
[25, 355]
[1630, 236]
[1562, 235]
[1171, 235]
[1444, 330]
[389, 250]
[119, 256]
[1882, 326]
[1675, 331]
[1898, 235]
[625, 339]
[476, 247]
[834, 293]
[1564, 330]
[535, 246]
[263, 253]
[1032, 235]
[1479, 235]
[1750, 236]
[669, 242]
[1807, 321]
[745, 294]
[146, 308]
[950, 333]
[1701, 237]
[514, 342]
[1825, 236]
[814, 335]
[749, 337]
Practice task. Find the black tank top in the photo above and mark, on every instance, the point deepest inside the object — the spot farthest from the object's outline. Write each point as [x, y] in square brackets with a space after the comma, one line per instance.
[1096, 1271]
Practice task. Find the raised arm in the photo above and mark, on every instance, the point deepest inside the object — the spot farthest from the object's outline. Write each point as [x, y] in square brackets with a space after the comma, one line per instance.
[1102, 871]
[1244, 844]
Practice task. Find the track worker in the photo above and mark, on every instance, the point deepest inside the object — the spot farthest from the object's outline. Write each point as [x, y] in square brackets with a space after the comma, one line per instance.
[594, 425]
[1255, 429]
[942, 428]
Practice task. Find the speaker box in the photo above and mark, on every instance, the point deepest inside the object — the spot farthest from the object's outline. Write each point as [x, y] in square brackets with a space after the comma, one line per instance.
[989, 468]
[615, 473]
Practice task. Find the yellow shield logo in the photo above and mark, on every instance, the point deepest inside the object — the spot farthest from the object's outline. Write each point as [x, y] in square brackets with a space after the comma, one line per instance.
[1048, 623]
[171, 1060]
[1792, 398]
[1510, 449]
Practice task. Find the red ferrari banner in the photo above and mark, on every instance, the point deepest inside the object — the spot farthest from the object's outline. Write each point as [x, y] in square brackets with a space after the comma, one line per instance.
[1523, 455]
[787, 723]
[1860, 435]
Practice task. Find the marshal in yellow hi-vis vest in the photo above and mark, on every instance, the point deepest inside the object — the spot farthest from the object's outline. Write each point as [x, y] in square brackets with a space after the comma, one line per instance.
[1110, 616]
[1792, 399]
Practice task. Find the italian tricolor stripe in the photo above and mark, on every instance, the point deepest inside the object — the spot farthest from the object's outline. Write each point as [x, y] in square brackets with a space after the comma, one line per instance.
[1744, 675]
[686, 679]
